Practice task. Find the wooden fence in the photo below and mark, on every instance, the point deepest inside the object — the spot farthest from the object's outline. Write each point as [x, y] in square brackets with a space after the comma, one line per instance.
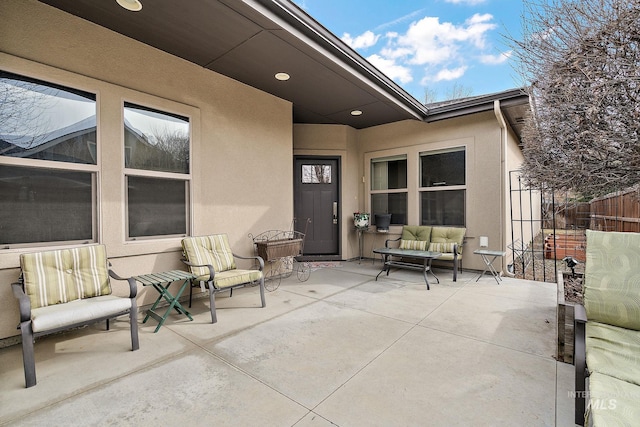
[617, 212]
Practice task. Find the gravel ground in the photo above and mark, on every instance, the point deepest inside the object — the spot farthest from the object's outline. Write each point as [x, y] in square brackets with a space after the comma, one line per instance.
[542, 270]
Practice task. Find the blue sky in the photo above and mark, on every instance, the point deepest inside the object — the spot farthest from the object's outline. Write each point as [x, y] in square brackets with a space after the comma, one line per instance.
[432, 44]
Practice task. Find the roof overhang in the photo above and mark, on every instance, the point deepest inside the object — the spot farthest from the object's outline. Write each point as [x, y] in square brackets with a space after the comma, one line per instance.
[252, 40]
[514, 104]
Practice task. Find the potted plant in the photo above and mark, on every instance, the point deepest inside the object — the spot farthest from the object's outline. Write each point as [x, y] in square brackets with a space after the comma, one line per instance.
[361, 220]
[382, 222]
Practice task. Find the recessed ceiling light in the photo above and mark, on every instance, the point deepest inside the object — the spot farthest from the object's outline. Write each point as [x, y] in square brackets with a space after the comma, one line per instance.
[282, 76]
[132, 5]
[356, 112]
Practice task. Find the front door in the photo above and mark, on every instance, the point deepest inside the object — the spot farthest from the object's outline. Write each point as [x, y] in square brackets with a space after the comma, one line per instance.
[316, 196]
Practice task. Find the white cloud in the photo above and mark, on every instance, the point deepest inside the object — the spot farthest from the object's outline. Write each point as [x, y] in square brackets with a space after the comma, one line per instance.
[450, 74]
[428, 41]
[391, 68]
[498, 59]
[363, 41]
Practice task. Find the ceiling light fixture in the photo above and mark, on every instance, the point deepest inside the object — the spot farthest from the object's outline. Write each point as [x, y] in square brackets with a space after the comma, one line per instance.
[356, 112]
[282, 77]
[132, 5]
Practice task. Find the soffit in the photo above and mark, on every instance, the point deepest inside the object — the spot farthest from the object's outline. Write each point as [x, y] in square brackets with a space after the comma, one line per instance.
[249, 43]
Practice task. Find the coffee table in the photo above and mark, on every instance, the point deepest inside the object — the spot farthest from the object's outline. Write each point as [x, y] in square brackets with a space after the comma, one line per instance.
[425, 256]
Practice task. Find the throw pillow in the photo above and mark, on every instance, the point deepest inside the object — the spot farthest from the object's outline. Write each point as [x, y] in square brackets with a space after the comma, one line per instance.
[416, 245]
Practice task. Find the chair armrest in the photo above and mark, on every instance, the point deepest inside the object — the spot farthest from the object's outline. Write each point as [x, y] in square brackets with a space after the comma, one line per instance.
[580, 361]
[386, 242]
[455, 250]
[24, 304]
[212, 272]
[133, 286]
[256, 257]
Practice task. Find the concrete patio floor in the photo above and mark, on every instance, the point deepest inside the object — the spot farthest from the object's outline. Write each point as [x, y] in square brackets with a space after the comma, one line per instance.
[339, 349]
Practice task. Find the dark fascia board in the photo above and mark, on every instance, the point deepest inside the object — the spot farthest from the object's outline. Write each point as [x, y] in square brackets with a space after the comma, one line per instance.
[317, 33]
[476, 104]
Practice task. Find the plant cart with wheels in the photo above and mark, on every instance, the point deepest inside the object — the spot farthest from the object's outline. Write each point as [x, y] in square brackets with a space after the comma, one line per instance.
[279, 249]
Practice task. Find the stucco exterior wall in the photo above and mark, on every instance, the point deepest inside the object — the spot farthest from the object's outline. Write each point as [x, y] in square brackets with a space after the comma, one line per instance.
[241, 137]
[480, 135]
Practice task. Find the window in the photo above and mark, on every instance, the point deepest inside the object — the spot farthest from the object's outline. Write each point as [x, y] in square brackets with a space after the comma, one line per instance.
[156, 153]
[316, 174]
[443, 187]
[48, 163]
[389, 188]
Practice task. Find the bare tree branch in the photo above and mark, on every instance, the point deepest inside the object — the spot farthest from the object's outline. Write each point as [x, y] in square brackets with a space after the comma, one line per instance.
[582, 59]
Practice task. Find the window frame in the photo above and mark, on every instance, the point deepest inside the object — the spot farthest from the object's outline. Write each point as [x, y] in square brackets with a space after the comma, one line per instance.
[405, 190]
[175, 110]
[439, 188]
[92, 169]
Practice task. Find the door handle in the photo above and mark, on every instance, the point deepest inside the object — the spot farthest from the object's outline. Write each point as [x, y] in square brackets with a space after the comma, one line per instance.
[335, 212]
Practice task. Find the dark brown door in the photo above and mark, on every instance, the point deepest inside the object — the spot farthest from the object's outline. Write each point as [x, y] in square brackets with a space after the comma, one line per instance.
[316, 196]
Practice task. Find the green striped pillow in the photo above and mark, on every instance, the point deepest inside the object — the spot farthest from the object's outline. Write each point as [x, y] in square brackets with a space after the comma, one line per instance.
[441, 247]
[416, 245]
[211, 250]
[55, 277]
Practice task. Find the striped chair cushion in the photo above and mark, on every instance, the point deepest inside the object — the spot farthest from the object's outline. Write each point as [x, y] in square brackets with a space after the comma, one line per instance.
[55, 277]
[417, 245]
[211, 250]
[236, 277]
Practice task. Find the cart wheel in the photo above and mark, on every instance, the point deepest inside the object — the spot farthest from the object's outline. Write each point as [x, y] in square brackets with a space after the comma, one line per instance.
[304, 271]
[287, 267]
[273, 277]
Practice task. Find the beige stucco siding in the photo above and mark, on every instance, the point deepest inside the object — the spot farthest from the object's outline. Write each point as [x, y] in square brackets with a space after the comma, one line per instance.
[480, 134]
[241, 137]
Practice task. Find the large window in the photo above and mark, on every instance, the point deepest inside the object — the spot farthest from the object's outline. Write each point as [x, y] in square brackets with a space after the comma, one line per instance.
[48, 163]
[443, 187]
[389, 188]
[156, 153]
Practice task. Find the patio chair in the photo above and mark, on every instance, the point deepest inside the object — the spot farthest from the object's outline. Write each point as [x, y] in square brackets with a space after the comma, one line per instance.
[65, 289]
[211, 261]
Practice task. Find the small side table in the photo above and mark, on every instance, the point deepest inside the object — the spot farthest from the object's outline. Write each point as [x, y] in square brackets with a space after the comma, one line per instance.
[157, 280]
[488, 262]
[361, 231]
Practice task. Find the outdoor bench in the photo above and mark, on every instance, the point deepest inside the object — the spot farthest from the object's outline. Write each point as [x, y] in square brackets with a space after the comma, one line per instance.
[607, 332]
[64, 289]
[446, 240]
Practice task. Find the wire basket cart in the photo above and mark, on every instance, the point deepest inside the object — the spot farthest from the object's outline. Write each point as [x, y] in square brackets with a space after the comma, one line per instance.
[279, 248]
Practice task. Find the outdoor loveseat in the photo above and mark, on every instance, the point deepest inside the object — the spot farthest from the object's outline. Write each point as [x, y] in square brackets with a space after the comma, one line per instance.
[447, 240]
[64, 289]
[607, 332]
[211, 261]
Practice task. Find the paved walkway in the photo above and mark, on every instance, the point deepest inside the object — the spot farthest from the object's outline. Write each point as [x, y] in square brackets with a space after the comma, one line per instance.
[340, 349]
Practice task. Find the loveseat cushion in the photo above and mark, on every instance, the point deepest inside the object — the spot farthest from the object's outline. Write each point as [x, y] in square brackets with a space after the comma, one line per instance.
[211, 250]
[230, 278]
[55, 277]
[613, 351]
[416, 232]
[449, 235]
[612, 402]
[612, 282]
